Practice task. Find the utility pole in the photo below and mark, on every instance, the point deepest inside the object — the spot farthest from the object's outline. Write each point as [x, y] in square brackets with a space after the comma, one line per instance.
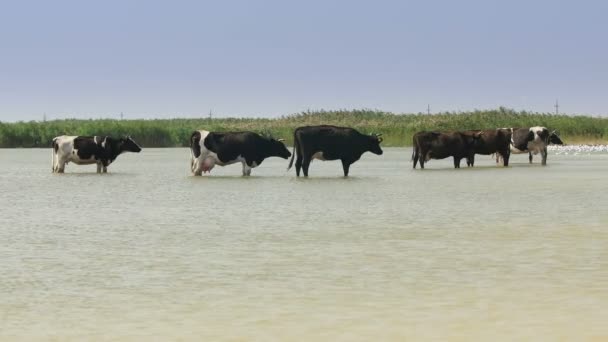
[428, 109]
[121, 116]
[210, 114]
[44, 117]
[556, 107]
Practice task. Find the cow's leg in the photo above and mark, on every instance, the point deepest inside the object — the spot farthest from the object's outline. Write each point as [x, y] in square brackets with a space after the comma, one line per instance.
[456, 163]
[197, 168]
[415, 157]
[505, 157]
[471, 161]
[345, 166]
[423, 154]
[99, 167]
[246, 169]
[305, 164]
[543, 153]
[105, 169]
[530, 157]
[298, 165]
[61, 165]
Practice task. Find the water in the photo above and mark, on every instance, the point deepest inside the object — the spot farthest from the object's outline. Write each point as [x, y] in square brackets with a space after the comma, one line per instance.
[388, 254]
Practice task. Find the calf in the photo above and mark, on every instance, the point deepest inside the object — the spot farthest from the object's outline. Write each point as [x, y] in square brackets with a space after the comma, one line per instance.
[82, 150]
[492, 141]
[331, 143]
[208, 149]
[440, 145]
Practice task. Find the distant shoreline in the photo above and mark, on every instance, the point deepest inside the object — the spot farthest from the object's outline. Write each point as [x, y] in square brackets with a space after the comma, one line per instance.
[397, 129]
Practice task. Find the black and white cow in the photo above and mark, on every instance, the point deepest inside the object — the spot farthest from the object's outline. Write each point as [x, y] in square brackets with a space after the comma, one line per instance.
[331, 143]
[215, 148]
[81, 150]
[533, 140]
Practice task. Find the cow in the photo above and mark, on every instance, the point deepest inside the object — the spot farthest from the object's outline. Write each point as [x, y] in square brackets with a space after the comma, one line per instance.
[492, 141]
[208, 149]
[327, 142]
[84, 150]
[533, 140]
[440, 145]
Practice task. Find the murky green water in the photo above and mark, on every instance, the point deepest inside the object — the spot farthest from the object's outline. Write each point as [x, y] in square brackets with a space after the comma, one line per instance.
[388, 254]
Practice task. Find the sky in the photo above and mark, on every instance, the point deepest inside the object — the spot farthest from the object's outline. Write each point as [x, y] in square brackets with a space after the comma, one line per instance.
[158, 59]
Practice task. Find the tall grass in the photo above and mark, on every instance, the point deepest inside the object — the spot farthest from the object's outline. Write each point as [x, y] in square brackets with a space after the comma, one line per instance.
[397, 129]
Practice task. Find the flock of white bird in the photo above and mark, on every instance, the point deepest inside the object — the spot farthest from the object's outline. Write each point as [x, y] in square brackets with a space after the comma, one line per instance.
[577, 149]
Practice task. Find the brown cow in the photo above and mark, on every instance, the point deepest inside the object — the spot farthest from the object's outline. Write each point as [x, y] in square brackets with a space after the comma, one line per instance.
[492, 141]
[440, 145]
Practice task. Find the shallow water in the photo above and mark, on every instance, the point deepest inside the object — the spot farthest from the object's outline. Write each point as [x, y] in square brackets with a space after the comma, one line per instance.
[390, 253]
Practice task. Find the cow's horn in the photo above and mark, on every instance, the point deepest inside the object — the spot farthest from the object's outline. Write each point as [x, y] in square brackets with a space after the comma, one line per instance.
[281, 139]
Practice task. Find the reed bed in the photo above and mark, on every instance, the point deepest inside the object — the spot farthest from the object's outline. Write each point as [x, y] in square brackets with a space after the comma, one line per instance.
[397, 129]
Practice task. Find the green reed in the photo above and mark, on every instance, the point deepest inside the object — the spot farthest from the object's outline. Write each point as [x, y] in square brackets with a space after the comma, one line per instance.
[397, 129]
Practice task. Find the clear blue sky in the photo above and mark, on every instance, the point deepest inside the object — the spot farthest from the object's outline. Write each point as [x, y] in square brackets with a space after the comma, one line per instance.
[267, 58]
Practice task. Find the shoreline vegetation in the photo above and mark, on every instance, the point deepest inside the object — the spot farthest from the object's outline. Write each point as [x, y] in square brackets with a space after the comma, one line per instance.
[397, 129]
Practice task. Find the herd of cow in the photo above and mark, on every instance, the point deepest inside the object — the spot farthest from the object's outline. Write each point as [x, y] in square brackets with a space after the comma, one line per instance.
[312, 142]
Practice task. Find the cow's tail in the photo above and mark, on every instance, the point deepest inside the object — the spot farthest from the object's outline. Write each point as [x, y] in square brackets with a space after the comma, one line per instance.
[293, 152]
[413, 152]
[414, 147]
[54, 148]
[195, 148]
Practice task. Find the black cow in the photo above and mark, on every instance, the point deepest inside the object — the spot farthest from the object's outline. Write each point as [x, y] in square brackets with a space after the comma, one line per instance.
[331, 143]
[492, 141]
[533, 140]
[440, 145]
[211, 148]
[81, 150]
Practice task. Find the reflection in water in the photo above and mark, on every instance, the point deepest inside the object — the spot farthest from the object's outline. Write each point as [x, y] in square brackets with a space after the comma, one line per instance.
[388, 254]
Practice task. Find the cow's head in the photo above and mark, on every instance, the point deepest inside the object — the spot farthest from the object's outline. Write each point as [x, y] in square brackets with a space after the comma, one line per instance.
[277, 148]
[554, 138]
[128, 144]
[374, 143]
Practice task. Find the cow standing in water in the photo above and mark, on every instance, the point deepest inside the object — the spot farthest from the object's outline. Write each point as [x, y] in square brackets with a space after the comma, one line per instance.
[331, 143]
[208, 149]
[533, 140]
[83, 150]
[440, 145]
[492, 141]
